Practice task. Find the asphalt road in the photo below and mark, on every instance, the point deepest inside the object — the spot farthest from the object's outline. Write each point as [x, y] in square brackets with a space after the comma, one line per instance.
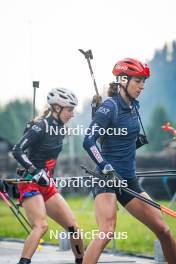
[10, 254]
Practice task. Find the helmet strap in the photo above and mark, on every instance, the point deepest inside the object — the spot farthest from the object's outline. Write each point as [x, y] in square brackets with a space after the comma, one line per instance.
[125, 88]
[57, 112]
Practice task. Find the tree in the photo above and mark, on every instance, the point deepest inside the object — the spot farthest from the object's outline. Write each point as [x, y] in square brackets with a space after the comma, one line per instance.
[13, 118]
[160, 88]
[156, 136]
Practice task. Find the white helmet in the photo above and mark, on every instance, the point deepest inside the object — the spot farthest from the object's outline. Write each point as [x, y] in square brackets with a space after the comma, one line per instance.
[62, 97]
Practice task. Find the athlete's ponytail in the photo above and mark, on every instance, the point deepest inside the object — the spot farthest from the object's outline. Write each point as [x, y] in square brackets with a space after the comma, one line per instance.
[30, 123]
[45, 113]
[113, 89]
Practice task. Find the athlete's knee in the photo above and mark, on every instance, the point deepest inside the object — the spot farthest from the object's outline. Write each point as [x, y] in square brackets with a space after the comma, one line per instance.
[41, 225]
[163, 232]
[107, 231]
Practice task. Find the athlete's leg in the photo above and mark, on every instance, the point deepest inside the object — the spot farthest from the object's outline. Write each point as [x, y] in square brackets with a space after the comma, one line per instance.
[105, 210]
[36, 213]
[59, 211]
[152, 218]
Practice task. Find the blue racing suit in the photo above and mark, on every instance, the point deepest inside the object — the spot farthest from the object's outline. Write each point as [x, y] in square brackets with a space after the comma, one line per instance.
[118, 145]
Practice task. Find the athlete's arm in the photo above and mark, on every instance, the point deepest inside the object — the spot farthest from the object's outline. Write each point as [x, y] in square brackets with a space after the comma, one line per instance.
[101, 121]
[34, 134]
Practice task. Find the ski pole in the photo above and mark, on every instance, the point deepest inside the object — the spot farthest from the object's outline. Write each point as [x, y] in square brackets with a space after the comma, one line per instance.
[3, 191]
[35, 85]
[9, 202]
[136, 195]
[139, 175]
[16, 180]
[97, 99]
[89, 56]
[18, 210]
[153, 176]
[4, 198]
[155, 172]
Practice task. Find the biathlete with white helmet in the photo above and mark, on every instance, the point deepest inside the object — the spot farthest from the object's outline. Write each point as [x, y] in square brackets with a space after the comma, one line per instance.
[117, 158]
[40, 198]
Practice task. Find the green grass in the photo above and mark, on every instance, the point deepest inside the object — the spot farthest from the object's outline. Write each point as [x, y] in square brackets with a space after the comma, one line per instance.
[140, 239]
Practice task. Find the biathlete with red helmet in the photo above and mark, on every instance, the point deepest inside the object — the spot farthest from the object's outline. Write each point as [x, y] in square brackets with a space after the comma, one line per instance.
[117, 159]
[41, 198]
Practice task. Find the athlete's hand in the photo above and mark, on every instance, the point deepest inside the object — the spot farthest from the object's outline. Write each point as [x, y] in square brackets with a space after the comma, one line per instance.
[2, 187]
[41, 178]
[112, 175]
[97, 100]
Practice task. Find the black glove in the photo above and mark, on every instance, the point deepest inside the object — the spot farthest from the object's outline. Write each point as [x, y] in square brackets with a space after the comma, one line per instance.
[41, 178]
[96, 101]
[3, 186]
[20, 171]
[110, 174]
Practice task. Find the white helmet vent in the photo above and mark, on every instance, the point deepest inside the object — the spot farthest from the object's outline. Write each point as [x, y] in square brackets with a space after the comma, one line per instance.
[62, 97]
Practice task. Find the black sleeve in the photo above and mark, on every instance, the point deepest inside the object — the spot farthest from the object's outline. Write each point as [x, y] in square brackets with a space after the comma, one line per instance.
[34, 134]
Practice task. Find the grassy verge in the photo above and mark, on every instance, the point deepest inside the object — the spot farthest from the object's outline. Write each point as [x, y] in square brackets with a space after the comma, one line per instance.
[140, 239]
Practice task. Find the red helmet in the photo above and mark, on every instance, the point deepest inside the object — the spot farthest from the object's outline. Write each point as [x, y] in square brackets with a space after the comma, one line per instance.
[131, 67]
